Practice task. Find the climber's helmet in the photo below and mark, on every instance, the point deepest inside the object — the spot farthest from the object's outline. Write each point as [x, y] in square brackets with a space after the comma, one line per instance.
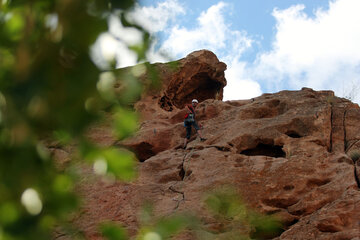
[195, 101]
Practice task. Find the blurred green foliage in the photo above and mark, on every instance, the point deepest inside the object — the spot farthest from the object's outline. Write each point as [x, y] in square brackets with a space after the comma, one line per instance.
[51, 91]
[229, 219]
[152, 227]
[237, 220]
[164, 227]
[113, 232]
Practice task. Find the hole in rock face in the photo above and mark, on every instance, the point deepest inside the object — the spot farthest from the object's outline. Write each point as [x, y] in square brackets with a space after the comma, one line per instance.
[293, 134]
[265, 150]
[290, 223]
[143, 151]
[207, 90]
[317, 182]
[273, 103]
[288, 187]
[182, 173]
[261, 231]
[165, 104]
[201, 87]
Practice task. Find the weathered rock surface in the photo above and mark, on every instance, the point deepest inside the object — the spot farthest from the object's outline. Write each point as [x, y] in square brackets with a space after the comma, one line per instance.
[200, 75]
[286, 153]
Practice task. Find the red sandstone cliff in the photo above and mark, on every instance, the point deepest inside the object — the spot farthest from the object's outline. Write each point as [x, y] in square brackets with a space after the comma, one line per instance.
[286, 153]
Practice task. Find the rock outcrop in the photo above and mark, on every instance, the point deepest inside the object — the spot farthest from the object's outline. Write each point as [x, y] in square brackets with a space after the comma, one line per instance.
[200, 75]
[286, 153]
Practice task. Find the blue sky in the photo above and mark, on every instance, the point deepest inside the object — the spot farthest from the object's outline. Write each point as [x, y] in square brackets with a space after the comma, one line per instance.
[268, 45]
[253, 16]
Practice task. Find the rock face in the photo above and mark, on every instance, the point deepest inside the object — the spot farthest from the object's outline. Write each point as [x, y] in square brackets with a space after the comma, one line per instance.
[200, 75]
[286, 153]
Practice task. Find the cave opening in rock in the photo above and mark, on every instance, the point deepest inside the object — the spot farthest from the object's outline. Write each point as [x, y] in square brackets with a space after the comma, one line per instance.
[143, 151]
[205, 88]
[165, 103]
[208, 89]
[293, 134]
[261, 232]
[265, 150]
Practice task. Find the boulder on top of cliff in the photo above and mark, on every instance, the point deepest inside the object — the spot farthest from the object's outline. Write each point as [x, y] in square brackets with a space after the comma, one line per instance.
[199, 75]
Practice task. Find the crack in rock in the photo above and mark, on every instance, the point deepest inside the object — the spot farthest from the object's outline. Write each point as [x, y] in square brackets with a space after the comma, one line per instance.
[220, 148]
[357, 180]
[331, 129]
[349, 147]
[183, 174]
[171, 188]
[183, 171]
[344, 127]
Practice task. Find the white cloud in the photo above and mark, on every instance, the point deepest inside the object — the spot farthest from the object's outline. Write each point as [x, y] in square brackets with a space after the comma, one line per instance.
[319, 52]
[211, 32]
[240, 87]
[155, 19]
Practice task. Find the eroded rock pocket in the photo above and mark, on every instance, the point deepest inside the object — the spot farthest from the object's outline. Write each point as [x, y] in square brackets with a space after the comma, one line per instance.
[293, 134]
[143, 151]
[263, 149]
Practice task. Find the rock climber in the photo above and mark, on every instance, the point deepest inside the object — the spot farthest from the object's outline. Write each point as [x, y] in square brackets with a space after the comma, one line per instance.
[190, 121]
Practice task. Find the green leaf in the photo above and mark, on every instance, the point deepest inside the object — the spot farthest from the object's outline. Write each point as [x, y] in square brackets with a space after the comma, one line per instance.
[112, 231]
[121, 163]
[9, 213]
[7, 59]
[265, 226]
[123, 4]
[125, 123]
[118, 162]
[105, 86]
[62, 136]
[63, 184]
[15, 25]
[129, 87]
[172, 225]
